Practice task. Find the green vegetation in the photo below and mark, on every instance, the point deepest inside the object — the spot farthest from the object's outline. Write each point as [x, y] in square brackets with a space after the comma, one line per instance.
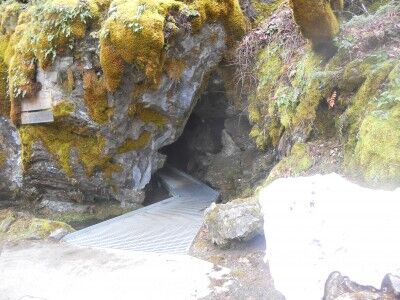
[295, 164]
[361, 80]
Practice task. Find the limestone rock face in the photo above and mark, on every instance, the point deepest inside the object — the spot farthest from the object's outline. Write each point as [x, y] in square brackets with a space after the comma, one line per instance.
[10, 165]
[116, 158]
[120, 79]
[238, 220]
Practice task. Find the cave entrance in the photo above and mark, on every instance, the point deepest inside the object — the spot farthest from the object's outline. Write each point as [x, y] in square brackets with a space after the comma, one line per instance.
[202, 134]
[215, 147]
[200, 139]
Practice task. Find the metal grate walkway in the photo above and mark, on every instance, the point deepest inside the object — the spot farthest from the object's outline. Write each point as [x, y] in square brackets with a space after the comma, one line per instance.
[168, 226]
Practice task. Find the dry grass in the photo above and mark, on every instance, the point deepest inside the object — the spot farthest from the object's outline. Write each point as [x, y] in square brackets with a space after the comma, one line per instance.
[279, 28]
[367, 33]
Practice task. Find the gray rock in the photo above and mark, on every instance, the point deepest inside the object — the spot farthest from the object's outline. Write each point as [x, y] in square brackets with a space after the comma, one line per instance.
[391, 284]
[229, 146]
[341, 287]
[58, 234]
[10, 163]
[238, 220]
[45, 181]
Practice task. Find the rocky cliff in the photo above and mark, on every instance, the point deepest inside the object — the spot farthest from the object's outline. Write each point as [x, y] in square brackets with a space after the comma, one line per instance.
[122, 78]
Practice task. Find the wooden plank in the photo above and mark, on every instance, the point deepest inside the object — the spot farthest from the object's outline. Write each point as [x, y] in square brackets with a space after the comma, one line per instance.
[37, 117]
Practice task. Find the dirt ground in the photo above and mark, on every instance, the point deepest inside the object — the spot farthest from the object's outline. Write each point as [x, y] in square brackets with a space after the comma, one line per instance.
[250, 277]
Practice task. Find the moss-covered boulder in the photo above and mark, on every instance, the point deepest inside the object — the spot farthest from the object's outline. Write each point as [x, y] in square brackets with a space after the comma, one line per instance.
[16, 226]
[122, 78]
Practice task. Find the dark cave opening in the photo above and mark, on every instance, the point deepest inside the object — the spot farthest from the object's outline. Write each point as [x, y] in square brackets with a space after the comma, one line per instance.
[203, 131]
[215, 147]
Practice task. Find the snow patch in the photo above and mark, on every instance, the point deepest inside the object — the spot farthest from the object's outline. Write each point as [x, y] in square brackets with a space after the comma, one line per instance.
[324, 223]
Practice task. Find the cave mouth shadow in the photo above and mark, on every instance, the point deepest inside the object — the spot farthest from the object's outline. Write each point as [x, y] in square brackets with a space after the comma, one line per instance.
[200, 138]
[202, 135]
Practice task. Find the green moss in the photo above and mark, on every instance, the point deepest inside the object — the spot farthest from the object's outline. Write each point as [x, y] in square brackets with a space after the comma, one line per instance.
[100, 212]
[282, 101]
[40, 31]
[133, 145]
[295, 164]
[3, 158]
[261, 108]
[147, 115]
[95, 96]
[265, 9]
[374, 72]
[63, 109]
[59, 140]
[317, 19]
[4, 101]
[377, 149]
[19, 226]
[134, 33]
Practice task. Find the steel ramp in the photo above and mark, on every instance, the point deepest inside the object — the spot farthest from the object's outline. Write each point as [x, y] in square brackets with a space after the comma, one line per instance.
[168, 226]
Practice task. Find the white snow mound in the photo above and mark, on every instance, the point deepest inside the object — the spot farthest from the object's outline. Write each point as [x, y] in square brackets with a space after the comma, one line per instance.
[324, 223]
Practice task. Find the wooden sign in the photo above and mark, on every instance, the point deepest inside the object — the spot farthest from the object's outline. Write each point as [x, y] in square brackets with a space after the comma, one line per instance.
[37, 117]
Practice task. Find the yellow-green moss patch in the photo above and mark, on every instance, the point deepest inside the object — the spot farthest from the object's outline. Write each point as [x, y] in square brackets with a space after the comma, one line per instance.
[265, 9]
[59, 140]
[377, 149]
[317, 19]
[295, 164]
[4, 101]
[63, 109]
[95, 95]
[19, 226]
[134, 33]
[146, 114]
[133, 145]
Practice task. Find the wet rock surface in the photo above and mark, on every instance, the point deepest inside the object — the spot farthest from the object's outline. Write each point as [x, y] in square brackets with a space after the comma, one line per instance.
[250, 277]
